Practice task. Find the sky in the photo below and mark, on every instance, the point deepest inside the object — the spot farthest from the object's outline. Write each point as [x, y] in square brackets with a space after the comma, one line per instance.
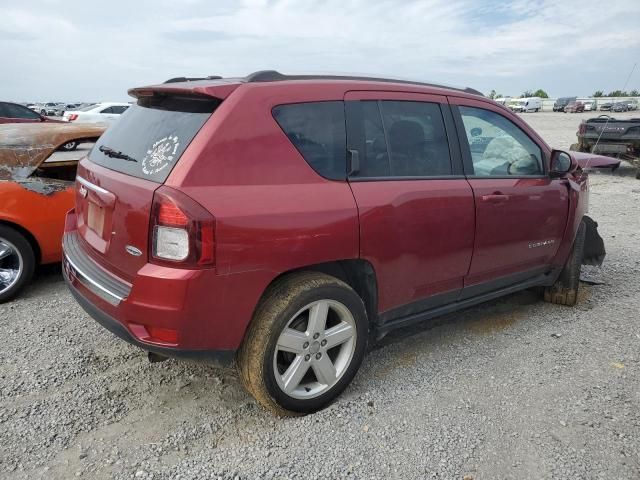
[79, 50]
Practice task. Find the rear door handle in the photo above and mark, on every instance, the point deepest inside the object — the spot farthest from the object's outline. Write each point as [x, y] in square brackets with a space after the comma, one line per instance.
[496, 197]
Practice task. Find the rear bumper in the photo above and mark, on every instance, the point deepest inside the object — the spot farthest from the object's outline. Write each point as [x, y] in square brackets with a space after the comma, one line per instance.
[187, 307]
[222, 358]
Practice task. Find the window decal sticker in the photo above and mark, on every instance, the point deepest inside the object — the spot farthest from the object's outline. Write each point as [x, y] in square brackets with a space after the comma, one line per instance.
[160, 155]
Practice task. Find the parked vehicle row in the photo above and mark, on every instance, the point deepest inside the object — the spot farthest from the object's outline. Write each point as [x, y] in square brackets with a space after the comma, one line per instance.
[562, 102]
[573, 105]
[106, 112]
[57, 109]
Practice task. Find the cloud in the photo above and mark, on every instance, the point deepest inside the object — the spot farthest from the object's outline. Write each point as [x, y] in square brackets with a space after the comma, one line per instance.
[79, 50]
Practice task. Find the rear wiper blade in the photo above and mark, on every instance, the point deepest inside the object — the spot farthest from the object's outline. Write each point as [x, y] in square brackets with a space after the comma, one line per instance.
[110, 152]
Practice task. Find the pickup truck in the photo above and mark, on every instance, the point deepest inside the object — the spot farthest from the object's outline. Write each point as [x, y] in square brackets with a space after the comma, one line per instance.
[608, 136]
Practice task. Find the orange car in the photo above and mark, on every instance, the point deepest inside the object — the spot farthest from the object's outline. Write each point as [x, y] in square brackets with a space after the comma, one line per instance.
[36, 191]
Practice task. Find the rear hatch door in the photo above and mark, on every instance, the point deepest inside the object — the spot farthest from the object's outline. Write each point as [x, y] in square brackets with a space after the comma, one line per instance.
[116, 182]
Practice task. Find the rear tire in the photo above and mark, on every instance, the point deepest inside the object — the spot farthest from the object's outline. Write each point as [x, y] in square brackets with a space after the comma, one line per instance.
[565, 290]
[17, 262]
[292, 367]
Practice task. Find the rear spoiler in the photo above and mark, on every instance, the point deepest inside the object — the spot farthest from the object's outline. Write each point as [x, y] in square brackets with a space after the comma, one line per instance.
[190, 87]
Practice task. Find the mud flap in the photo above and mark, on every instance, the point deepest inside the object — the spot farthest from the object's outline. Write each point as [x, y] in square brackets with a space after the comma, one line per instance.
[594, 251]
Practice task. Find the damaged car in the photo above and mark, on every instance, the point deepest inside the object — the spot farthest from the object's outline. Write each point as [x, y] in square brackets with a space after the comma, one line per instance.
[351, 207]
[616, 138]
[36, 191]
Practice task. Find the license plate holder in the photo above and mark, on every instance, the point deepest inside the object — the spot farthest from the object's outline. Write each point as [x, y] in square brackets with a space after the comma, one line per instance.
[95, 218]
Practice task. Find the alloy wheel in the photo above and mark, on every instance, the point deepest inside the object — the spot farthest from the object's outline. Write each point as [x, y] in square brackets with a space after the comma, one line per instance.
[314, 349]
[11, 265]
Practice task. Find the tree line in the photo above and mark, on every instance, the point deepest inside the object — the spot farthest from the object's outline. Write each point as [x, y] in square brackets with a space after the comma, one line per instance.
[527, 93]
[617, 93]
[598, 93]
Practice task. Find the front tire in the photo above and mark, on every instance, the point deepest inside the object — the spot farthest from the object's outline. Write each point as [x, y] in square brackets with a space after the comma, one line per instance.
[305, 343]
[565, 290]
[17, 262]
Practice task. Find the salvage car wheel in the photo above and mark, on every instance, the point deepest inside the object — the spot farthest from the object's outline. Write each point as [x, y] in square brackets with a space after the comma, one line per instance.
[69, 146]
[305, 343]
[17, 262]
[565, 290]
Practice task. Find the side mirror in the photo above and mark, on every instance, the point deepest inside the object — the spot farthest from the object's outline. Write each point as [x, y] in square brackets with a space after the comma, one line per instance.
[475, 132]
[561, 164]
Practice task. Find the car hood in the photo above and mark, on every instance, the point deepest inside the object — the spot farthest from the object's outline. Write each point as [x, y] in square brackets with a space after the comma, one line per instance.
[590, 160]
[24, 146]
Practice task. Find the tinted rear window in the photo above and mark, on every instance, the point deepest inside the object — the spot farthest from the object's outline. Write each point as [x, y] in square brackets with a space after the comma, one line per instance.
[154, 133]
[317, 130]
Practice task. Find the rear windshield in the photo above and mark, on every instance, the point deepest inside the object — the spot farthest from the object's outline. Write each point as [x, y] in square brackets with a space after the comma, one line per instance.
[149, 138]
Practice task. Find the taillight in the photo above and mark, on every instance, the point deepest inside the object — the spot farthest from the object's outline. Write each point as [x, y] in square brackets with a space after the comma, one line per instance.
[73, 116]
[182, 232]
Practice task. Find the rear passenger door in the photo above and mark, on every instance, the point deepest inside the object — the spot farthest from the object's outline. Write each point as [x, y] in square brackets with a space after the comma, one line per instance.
[415, 207]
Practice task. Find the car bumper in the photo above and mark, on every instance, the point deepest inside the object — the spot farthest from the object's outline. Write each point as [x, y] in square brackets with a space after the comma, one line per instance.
[159, 299]
[222, 358]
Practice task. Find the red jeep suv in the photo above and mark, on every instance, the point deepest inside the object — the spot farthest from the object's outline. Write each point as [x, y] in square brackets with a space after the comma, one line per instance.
[282, 222]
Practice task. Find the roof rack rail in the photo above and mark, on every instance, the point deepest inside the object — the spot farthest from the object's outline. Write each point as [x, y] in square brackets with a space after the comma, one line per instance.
[192, 79]
[275, 76]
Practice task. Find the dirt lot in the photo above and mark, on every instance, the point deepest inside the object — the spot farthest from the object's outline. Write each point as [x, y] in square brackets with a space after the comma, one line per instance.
[513, 389]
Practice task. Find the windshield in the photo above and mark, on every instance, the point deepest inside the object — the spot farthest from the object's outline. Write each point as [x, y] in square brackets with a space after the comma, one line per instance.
[150, 137]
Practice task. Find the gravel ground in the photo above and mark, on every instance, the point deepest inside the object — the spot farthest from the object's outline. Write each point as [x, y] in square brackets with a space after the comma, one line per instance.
[513, 389]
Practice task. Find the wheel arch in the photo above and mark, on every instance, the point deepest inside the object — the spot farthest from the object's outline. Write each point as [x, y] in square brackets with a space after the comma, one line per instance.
[359, 274]
[26, 234]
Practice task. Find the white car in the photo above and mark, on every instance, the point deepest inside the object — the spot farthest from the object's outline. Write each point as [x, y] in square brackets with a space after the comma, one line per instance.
[106, 112]
[590, 105]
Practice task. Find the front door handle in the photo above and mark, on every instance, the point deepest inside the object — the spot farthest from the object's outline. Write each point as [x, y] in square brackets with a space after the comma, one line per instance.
[495, 197]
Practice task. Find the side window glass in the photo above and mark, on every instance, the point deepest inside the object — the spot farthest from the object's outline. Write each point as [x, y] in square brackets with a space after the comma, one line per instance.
[3, 111]
[398, 139]
[118, 109]
[498, 146]
[107, 110]
[367, 137]
[416, 138]
[317, 130]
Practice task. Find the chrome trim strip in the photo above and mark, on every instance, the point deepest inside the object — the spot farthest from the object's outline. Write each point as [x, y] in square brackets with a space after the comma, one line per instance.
[82, 275]
[90, 185]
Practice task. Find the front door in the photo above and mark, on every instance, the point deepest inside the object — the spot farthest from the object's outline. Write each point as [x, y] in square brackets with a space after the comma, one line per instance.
[416, 209]
[521, 213]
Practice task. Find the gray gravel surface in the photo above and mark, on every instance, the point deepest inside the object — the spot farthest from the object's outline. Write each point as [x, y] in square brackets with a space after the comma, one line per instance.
[513, 389]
